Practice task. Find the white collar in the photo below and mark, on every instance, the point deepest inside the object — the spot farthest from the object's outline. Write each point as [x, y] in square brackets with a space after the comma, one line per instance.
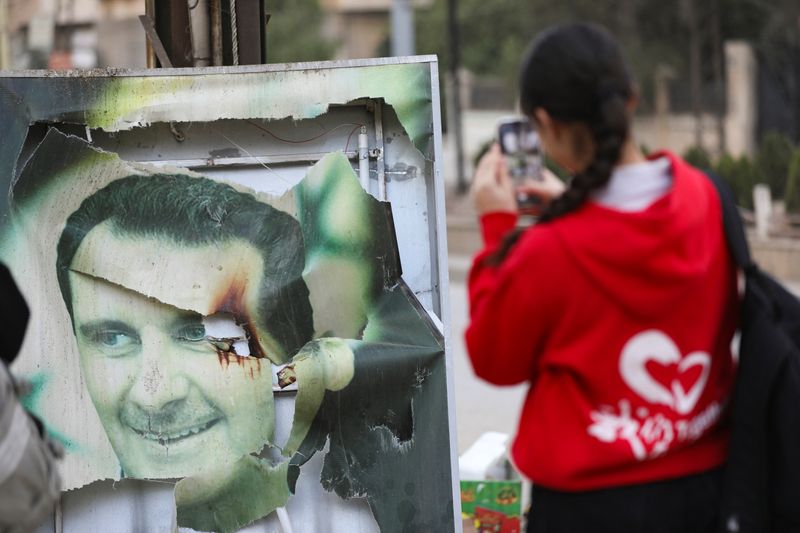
[636, 186]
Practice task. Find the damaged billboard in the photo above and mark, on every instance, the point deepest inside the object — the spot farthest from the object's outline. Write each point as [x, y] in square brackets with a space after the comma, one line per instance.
[238, 320]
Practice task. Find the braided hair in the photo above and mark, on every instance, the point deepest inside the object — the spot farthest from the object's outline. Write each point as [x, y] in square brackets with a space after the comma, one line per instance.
[577, 73]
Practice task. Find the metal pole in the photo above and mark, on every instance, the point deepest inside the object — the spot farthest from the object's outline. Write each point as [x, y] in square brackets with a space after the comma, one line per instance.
[5, 53]
[402, 28]
[216, 32]
[455, 109]
[201, 33]
[719, 72]
[691, 15]
[363, 158]
[382, 193]
[58, 518]
[794, 71]
[150, 12]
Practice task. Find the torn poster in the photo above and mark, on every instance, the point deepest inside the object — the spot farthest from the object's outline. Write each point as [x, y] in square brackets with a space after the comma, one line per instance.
[175, 311]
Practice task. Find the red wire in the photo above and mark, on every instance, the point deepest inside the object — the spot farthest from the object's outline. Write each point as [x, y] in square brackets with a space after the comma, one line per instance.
[324, 133]
[347, 145]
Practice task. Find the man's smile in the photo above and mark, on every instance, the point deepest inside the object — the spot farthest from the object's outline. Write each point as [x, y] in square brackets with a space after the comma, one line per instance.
[169, 436]
[168, 407]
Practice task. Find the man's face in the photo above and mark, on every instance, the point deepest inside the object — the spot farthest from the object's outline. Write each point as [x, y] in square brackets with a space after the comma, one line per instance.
[173, 397]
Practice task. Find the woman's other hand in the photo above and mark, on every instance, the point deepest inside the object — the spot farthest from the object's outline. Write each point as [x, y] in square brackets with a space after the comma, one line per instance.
[545, 189]
[492, 189]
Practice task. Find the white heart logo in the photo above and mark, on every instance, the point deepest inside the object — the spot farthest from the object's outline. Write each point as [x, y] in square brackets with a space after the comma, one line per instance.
[654, 345]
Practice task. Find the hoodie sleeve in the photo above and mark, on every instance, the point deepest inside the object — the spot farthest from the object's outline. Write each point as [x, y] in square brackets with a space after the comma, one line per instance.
[508, 318]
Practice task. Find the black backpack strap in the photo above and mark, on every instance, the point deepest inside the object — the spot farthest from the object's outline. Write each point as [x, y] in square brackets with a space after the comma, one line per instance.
[732, 222]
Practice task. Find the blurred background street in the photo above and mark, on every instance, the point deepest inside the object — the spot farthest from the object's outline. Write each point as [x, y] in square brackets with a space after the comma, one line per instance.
[719, 81]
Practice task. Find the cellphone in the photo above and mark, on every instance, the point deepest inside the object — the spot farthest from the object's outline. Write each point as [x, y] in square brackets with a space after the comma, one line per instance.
[520, 145]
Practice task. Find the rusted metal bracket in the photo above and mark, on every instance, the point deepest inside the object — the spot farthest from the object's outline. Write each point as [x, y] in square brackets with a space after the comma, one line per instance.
[155, 42]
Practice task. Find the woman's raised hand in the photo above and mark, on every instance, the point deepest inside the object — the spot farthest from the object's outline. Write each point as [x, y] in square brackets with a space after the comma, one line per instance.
[546, 188]
[492, 188]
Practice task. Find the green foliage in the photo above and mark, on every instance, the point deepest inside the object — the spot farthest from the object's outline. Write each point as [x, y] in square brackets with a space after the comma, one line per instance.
[773, 160]
[697, 157]
[792, 196]
[294, 32]
[495, 33]
[741, 176]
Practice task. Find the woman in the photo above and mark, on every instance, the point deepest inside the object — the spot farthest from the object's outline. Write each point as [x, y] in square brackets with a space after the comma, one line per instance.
[618, 307]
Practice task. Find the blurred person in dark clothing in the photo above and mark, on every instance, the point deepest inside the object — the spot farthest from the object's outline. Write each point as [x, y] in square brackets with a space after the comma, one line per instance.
[29, 481]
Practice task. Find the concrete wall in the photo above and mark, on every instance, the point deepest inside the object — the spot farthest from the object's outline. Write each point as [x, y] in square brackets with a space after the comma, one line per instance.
[20, 13]
[112, 32]
[361, 6]
[76, 34]
[660, 130]
[359, 34]
[360, 26]
[122, 9]
[676, 131]
[742, 117]
[778, 256]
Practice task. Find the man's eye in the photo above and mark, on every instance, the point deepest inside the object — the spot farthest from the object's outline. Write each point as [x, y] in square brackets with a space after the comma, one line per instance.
[192, 332]
[113, 341]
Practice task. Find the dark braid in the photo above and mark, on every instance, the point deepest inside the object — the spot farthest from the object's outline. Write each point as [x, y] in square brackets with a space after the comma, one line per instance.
[578, 75]
[608, 133]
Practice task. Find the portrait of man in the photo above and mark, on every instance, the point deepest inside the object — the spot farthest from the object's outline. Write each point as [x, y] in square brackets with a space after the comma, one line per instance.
[181, 388]
[210, 350]
[181, 304]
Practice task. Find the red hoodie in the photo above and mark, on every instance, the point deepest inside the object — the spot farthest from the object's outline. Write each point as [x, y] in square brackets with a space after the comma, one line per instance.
[622, 323]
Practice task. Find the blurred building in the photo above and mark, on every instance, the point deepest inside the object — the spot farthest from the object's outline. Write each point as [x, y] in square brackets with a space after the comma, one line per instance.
[63, 34]
[361, 26]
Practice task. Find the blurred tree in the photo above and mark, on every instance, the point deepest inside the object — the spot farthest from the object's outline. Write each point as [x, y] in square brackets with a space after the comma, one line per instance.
[772, 162]
[778, 48]
[698, 157]
[495, 34]
[295, 32]
[741, 176]
[792, 197]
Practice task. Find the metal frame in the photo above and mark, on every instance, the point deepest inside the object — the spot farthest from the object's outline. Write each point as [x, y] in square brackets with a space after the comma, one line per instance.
[246, 161]
[241, 69]
[444, 284]
[378, 151]
[434, 186]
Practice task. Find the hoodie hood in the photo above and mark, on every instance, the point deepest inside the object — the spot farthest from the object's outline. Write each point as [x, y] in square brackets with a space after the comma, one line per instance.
[647, 260]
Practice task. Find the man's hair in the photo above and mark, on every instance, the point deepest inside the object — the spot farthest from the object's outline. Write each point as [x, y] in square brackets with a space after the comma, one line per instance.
[200, 212]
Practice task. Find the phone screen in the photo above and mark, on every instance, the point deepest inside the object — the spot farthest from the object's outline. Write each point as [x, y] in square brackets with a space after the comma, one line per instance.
[519, 143]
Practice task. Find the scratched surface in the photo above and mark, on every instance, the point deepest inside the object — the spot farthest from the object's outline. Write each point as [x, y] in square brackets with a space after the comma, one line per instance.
[256, 347]
[125, 101]
[165, 399]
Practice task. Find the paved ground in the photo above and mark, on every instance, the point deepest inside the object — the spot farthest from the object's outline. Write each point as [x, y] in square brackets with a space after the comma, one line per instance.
[480, 407]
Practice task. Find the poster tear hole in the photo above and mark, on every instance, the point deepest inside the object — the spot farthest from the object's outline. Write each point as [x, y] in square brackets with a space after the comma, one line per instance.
[233, 343]
[226, 334]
